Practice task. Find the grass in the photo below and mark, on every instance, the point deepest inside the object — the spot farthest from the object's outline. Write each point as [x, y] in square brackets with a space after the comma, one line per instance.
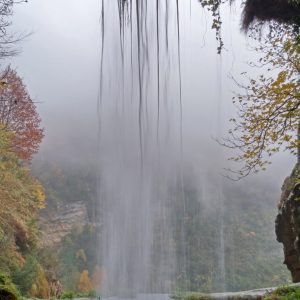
[72, 295]
[281, 293]
[190, 296]
[284, 293]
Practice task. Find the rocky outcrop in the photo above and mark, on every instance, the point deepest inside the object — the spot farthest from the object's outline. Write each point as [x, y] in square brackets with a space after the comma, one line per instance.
[280, 11]
[257, 294]
[287, 223]
[56, 223]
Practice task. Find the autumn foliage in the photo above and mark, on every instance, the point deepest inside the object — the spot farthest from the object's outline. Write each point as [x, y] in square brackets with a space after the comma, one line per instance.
[85, 284]
[21, 195]
[18, 115]
[269, 109]
[40, 289]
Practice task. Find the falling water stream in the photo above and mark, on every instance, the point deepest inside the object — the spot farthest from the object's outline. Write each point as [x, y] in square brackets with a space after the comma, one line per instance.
[143, 150]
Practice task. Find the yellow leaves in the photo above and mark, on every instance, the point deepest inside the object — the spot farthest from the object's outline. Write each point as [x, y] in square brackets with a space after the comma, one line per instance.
[269, 111]
[273, 136]
[21, 195]
[34, 291]
[40, 288]
[85, 284]
[287, 137]
[39, 194]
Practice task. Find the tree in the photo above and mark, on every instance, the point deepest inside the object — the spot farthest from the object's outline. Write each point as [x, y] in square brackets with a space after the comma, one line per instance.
[18, 114]
[84, 284]
[8, 40]
[269, 111]
[16, 184]
[40, 287]
[269, 121]
[21, 196]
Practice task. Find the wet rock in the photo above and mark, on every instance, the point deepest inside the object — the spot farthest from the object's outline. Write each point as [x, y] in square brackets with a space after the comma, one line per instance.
[252, 294]
[287, 224]
[57, 223]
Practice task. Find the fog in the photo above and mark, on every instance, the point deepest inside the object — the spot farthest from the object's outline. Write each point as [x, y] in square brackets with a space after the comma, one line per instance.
[60, 64]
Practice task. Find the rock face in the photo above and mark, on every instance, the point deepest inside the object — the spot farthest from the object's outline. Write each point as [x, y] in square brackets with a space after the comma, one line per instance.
[287, 223]
[56, 223]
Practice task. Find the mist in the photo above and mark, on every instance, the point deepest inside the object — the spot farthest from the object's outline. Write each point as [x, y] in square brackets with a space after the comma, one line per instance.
[144, 160]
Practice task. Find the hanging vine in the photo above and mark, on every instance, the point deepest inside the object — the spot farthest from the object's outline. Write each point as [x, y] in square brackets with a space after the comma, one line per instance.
[213, 6]
[255, 13]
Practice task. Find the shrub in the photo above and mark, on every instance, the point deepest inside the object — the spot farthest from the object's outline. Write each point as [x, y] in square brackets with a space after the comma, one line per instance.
[284, 293]
[8, 290]
[93, 293]
[68, 295]
[25, 276]
[84, 284]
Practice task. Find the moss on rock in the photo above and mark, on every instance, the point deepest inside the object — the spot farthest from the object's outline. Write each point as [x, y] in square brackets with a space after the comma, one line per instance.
[284, 293]
[8, 290]
[287, 224]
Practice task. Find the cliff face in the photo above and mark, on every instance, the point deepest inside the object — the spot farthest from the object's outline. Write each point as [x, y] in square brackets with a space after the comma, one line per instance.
[287, 223]
[56, 223]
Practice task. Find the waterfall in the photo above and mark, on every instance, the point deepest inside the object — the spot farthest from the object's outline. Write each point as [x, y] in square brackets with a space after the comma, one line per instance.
[142, 162]
[140, 145]
[221, 278]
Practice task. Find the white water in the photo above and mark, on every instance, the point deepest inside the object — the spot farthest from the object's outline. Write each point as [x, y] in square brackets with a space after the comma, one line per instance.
[145, 149]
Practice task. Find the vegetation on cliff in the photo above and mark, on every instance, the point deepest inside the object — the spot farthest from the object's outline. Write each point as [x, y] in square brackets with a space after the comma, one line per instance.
[8, 290]
[74, 260]
[284, 293]
[21, 194]
[253, 258]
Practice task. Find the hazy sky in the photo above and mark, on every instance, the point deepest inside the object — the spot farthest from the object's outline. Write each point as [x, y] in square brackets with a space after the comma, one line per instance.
[59, 63]
[60, 66]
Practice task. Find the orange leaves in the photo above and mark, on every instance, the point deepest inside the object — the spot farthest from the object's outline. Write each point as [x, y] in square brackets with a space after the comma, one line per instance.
[85, 284]
[18, 114]
[21, 195]
[40, 289]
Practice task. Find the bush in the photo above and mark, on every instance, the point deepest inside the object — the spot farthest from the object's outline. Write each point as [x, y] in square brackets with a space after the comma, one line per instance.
[93, 294]
[25, 276]
[190, 296]
[8, 290]
[284, 293]
[72, 295]
[68, 295]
